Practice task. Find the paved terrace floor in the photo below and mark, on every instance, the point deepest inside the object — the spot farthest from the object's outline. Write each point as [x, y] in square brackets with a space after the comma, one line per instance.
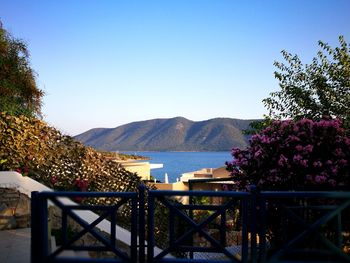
[15, 245]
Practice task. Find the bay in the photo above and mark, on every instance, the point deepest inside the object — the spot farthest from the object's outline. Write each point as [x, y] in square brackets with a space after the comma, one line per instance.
[177, 163]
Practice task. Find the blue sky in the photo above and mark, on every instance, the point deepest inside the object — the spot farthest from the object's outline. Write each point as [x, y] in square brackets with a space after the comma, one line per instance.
[107, 63]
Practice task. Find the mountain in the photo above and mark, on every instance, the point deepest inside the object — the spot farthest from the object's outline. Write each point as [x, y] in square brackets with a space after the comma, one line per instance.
[174, 134]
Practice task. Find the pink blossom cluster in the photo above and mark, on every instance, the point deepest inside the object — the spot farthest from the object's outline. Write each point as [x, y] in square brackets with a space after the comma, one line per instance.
[81, 184]
[295, 154]
[23, 171]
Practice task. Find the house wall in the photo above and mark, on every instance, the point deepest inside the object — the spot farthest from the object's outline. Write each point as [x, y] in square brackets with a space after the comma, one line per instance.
[221, 172]
[143, 169]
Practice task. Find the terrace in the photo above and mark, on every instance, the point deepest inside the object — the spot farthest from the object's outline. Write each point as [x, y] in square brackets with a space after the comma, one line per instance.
[245, 227]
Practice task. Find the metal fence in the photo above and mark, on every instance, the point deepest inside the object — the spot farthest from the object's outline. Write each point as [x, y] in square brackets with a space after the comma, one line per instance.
[223, 226]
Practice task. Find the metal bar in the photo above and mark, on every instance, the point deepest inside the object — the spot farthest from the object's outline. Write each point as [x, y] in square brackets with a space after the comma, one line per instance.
[190, 188]
[252, 224]
[88, 248]
[306, 194]
[339, 236]
[262, 233]
[86, 260]
[113, 214]
[86, 228]
[85, 225]
[150, 237]
[133, 249]
[245, 221]
[186, 260]
[89, 194]
[142, 223]
[39, 230]
[223, 228]
[195, 228]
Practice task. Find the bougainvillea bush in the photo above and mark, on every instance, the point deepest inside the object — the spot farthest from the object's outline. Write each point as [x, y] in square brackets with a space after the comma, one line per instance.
[292, 155]
[297, 155]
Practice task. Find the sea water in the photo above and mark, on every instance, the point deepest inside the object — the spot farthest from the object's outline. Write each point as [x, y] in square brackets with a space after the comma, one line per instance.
[177, 163]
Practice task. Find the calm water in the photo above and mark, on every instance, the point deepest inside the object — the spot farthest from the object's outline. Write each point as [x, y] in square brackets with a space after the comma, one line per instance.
[177, 163]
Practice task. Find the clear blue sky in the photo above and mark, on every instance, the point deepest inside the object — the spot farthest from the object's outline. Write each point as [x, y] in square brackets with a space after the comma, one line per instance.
[106, 63]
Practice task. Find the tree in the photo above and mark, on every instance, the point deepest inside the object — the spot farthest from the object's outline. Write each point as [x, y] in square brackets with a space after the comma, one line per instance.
[315, 91]
[19, 94]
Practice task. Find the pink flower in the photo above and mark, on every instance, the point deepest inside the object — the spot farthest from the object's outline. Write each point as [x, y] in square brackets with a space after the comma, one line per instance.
[53, 180]
[244, 161]
[317, 164]
[334, 170]
[293, 138]
[265, 139]
[343, 162]
[332, 182]
[309, 177]
[305, 122]
[282, 160]
[329, 162]
[320, 179]
[338, 152]
[82, 184]
[303, 163]
[297, 158]
[299, 148]
[308, 148]
[258, 153]
[347, 141]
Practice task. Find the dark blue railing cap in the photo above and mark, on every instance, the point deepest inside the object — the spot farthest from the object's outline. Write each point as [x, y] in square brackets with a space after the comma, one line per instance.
[311, 194]
[87, 194]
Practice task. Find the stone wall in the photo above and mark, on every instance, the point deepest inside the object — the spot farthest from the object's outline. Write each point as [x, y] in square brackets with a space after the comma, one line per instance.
[14, 209]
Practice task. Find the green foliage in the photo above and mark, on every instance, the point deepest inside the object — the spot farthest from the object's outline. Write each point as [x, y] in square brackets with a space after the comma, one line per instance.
[19, 94]
[314, 91]
[56, 160]
[257, 126]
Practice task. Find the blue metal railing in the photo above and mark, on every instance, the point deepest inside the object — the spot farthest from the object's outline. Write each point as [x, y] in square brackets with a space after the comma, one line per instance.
[179, 244]
[40, 239]
[273, 226]
[312, 226]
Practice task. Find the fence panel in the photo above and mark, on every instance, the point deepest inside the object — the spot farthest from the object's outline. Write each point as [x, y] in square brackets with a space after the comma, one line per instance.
[304, 226]
[224, 226]
[78, 225]
[199, 231]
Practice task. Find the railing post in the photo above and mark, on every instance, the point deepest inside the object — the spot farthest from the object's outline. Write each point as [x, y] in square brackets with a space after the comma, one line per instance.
[253, 223]
[190, 188]
[262, 228]
[142, 222]
[150, 226]
[39, 231]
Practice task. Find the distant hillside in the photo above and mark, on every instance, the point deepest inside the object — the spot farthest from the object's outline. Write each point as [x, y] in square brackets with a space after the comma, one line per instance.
[175, 134]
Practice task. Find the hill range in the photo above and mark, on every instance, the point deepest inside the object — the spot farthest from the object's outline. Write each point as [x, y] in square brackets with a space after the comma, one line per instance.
[174, 134]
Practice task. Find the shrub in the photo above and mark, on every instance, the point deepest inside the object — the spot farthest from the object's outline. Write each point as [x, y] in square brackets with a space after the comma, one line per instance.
[56, 160]
[290, 155]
